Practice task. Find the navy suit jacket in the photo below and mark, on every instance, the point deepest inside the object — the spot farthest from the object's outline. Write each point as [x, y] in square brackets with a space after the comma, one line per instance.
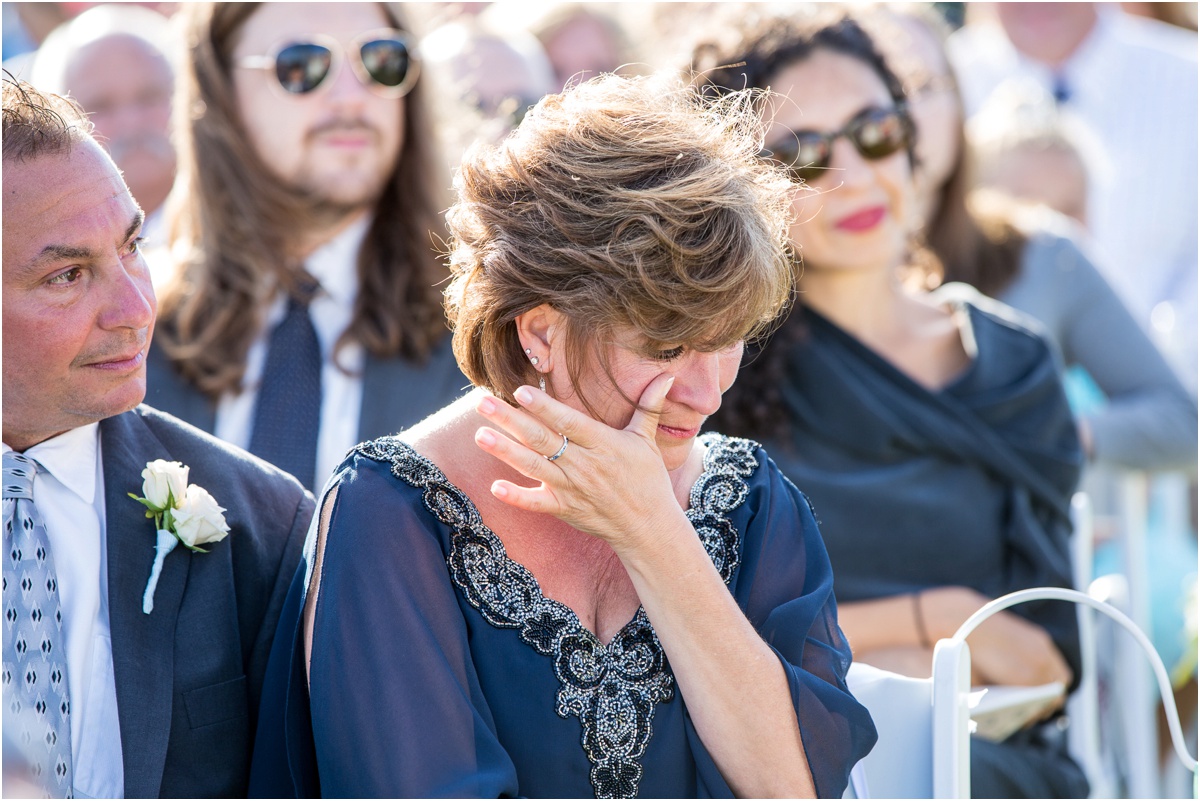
[189, 674]
[397, 393]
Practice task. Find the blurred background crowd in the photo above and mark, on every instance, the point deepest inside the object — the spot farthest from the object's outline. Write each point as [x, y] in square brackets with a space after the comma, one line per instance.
[1077, 119]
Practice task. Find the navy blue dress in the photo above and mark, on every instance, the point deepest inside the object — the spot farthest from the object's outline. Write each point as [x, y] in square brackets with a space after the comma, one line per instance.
[439, 668]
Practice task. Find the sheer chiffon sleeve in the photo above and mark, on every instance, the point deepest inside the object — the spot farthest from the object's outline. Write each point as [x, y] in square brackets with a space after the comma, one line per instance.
[394, 703]
[785, 588]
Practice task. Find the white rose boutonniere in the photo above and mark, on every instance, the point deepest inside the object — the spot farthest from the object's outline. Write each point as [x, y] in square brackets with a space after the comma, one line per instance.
[182, 512]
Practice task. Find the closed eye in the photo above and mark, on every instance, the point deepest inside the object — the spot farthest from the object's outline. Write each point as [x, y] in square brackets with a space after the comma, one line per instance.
[667, 355]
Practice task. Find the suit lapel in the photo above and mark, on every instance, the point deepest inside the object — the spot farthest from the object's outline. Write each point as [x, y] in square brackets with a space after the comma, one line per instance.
[143, 645]
[168, 391]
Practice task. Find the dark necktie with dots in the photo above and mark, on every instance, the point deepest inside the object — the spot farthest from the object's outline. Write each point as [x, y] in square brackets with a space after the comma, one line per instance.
[37, 711]
[287, 414]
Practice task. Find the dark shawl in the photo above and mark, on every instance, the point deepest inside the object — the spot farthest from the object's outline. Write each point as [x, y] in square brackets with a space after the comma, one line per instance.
[969, 485]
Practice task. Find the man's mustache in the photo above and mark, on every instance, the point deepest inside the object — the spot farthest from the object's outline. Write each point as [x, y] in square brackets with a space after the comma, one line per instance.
[117, 349]
[357, 125]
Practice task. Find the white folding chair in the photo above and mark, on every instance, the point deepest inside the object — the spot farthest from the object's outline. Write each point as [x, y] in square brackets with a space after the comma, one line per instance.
[920, 753]
[1083, 707]
[952, 678]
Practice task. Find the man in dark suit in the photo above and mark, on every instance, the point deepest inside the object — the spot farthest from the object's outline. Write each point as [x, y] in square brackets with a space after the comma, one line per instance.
[301, 308]
[103, 698]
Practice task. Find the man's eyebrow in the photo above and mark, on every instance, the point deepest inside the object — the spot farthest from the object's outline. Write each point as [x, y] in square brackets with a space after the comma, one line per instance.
[61, 253]
[66, 252]
[139, 218]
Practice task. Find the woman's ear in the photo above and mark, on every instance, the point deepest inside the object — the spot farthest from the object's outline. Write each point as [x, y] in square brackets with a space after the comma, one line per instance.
[537, 330]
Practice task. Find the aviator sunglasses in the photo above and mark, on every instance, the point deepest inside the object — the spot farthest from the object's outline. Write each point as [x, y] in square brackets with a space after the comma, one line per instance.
[876, 133]
[384, 60]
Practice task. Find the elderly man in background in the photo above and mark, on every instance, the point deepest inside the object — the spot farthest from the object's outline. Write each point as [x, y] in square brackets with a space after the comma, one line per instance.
[114, 60]
[501, 74]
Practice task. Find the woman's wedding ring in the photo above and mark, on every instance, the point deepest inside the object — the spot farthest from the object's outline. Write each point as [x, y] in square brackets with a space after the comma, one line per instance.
[561, 450]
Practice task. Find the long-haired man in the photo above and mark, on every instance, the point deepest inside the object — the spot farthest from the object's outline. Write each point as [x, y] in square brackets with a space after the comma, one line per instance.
[303, 313]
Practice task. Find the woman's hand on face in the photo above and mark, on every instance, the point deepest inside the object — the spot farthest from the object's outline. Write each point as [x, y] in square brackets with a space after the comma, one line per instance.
[609, 483]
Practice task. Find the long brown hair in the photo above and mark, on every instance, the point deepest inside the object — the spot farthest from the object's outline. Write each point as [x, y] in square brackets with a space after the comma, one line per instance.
[975, 244]
[232, 225]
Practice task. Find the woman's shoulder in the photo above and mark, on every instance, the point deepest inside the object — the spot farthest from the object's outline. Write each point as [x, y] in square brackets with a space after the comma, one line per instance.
[991, 318]
[1057, 249]
[740, 470]
[726, 456]
[389, 460]
[391, 454]
[386, 500]
[1006, 346]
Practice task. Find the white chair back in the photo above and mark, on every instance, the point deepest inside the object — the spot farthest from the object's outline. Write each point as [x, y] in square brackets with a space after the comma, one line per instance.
[901, 763]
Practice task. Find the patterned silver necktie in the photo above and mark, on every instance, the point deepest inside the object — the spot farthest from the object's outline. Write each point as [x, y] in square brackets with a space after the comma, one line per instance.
[35, 659]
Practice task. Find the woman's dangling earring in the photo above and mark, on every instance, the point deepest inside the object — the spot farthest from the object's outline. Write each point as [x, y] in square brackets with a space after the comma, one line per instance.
[534, 361]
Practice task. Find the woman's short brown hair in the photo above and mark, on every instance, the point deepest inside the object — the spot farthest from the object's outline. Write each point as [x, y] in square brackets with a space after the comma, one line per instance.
[620, 202]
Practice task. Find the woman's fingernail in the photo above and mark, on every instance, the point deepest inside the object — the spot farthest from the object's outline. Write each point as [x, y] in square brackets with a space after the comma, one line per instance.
[487, 405]
[523, 395]
[499, 490]
[485, 437]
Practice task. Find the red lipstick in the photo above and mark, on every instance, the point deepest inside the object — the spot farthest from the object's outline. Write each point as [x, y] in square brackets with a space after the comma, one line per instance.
[863, 220]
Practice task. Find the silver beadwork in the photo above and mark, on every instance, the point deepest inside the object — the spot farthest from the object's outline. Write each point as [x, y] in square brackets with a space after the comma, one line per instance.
[612, 689]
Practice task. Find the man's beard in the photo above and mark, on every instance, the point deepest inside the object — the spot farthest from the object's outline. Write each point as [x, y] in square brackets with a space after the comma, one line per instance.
[335, 203]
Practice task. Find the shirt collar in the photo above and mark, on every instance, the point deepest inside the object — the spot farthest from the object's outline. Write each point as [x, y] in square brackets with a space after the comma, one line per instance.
[1091, 58]
[71, 458]
[335, 264]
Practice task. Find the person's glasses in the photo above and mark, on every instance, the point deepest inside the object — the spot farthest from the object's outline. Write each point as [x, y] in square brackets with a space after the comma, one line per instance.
[876, 133]
[384, 60]
[511, 110]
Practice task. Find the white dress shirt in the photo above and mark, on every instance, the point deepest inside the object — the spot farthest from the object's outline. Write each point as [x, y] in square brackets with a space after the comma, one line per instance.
[69, 494]
[1133, 83]
[335, 266]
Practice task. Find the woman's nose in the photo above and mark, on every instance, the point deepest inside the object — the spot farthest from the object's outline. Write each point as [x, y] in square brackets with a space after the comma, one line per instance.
[848, 165]
[698, 383]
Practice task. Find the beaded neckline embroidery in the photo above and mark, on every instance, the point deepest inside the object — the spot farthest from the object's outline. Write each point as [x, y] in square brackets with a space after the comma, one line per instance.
[612, 689]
